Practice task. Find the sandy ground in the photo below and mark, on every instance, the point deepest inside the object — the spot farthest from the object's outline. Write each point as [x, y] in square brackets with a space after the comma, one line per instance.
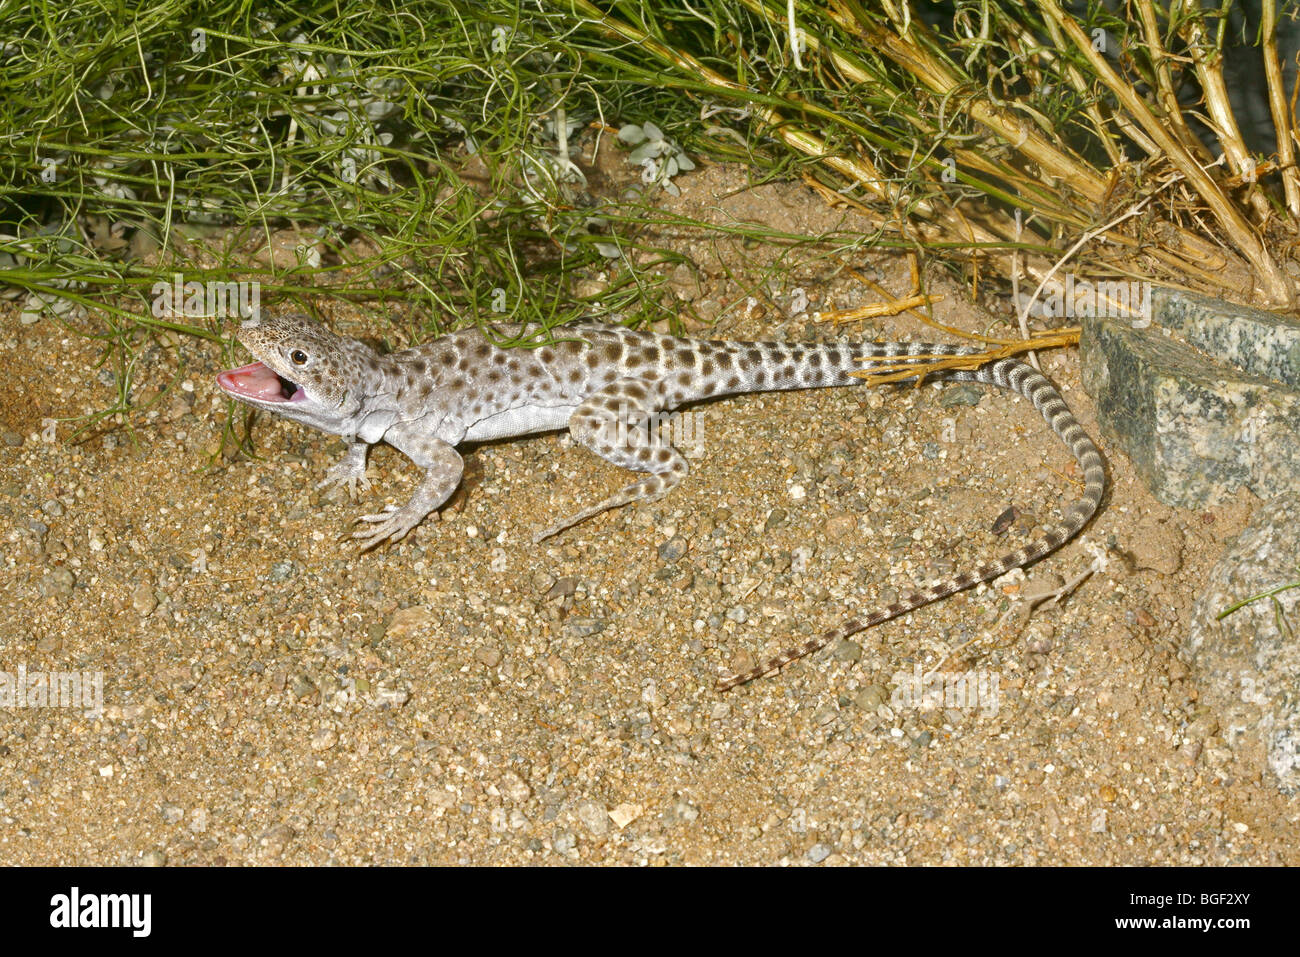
[270, 696]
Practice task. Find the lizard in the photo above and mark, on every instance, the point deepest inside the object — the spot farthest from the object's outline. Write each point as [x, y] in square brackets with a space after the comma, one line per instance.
[603, 383]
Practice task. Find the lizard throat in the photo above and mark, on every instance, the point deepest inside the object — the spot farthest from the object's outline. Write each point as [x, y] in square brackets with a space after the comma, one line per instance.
[259, 383]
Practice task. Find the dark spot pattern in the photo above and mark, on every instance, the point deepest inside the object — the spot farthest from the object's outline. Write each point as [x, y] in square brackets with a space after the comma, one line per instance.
[614, 376]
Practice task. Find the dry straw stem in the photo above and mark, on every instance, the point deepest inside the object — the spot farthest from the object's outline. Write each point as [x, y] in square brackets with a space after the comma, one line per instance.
[920, 366]
[1209, 70]
[916, 217]
[898, 98]
[1183, 251]
[893, 306]
[875, 311]
[1275, 287]
[1283, 118]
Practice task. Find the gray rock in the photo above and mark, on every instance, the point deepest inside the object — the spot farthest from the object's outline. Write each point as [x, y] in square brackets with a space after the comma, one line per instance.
[1248, 663]
[1259, 343]
[1203, 399]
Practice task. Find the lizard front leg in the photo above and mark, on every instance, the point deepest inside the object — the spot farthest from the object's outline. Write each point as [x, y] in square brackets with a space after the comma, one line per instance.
[350, 471]
[443, 468]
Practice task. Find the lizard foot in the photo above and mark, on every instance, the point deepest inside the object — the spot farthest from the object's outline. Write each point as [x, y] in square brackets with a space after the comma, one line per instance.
[648, 488]
[572, 520]
[539, 537]
[392, 525]
[346, 475]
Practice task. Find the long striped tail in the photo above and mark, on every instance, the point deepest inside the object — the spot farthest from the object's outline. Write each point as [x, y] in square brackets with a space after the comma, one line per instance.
[1006, 374]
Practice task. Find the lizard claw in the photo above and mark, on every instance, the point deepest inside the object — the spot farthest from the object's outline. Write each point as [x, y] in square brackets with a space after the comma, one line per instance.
[345, 476]
[392, 525]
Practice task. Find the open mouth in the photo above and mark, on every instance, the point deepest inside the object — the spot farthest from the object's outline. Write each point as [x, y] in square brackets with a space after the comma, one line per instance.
[259, 383]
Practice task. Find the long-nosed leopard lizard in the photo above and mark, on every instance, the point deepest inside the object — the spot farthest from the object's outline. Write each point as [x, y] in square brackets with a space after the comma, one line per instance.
[604, 383]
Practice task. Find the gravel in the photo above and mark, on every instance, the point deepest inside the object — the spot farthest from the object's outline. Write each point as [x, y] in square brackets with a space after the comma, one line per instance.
[475, 698]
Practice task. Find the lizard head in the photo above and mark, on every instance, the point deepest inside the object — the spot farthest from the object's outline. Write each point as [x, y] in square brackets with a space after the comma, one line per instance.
[305, 372]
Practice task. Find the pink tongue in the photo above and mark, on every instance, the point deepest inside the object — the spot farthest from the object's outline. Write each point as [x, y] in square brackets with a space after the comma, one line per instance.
[255, 381]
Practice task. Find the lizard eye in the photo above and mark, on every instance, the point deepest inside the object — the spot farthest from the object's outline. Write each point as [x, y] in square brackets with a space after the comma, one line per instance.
[298, 357]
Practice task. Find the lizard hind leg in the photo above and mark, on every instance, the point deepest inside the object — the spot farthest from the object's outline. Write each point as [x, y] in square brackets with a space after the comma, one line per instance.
[619, 423]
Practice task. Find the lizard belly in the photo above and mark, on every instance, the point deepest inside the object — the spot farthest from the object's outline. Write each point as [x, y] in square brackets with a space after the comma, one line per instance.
[373, 426]
[523, 420]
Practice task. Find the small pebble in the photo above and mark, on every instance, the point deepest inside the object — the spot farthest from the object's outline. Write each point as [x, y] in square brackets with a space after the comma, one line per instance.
[57, 582]
[818, 853]
[871, 697]
[143, 599]
[625, 814]
[848, 650]
[561, 588]
[672, 550]
[841, 526]
[585, 627]
[967, 393]
[594, 817]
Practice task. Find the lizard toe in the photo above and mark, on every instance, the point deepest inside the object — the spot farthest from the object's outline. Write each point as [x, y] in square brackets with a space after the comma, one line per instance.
[374, 537]
[383, 516]
[352, 483]
[390, 526]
